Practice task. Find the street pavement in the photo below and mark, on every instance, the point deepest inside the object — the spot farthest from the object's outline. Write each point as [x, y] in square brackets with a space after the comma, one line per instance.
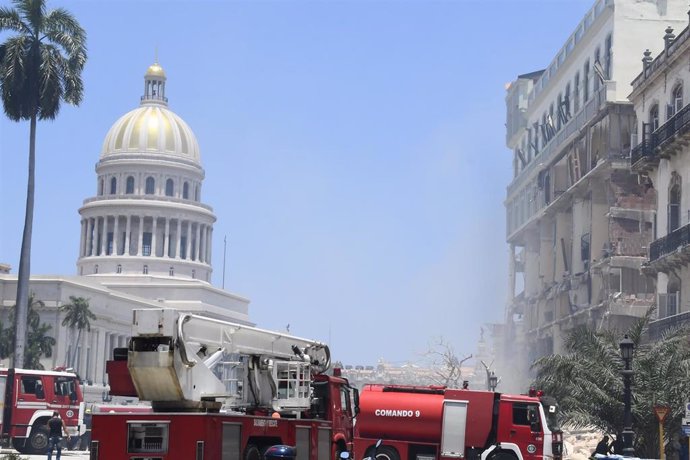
[71, 454]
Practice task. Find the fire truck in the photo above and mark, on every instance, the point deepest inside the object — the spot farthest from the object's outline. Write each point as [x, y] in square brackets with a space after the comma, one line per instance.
[435, 422]
[222, 390]
[30, 397]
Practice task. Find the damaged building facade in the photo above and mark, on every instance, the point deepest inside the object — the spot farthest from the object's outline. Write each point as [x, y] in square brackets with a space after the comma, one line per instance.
[578, 220]
[661, 156]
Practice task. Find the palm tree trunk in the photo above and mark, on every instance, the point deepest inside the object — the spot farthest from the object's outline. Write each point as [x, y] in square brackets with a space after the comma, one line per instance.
[24, 275]
[74, 353]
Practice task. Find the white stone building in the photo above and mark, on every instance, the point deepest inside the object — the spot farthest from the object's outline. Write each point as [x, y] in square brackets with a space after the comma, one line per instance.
[146, 238]
[578, 220]
[660, 96]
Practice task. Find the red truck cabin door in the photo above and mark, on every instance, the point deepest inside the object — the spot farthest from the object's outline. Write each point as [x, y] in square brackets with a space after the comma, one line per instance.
[453, 428]
[517, 426]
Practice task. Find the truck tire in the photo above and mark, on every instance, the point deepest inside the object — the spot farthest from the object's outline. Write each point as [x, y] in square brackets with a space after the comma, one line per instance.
[387, 453]
[252, 453]
[38, 441]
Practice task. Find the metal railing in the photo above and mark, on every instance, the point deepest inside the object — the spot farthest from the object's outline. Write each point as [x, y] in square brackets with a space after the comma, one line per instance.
[670, 243]
[642, 150]
[678, 123]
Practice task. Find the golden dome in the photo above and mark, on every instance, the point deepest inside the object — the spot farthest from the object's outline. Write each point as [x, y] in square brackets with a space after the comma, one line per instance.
[155, 70]
[151, 129]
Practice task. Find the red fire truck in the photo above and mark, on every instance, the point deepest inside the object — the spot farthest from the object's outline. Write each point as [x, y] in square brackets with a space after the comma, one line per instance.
[30, 397]
[221, 390]
[428, 423]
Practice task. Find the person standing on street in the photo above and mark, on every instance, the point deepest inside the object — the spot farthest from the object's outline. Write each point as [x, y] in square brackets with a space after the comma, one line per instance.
[56, 427]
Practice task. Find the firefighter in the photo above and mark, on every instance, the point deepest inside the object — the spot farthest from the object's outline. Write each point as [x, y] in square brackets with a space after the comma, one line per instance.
[56, 427]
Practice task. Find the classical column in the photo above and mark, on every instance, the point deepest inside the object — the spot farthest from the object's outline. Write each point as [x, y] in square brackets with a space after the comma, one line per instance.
[202, 243]
[166, 238]
[187, 254]
[197, 245]
[82, 238]
[210, 243]
[141, 235]
[101, 239]
[116, 233]
[105, 354]
[128, 231]
[178, 238]
[89, 237]
[154, 248]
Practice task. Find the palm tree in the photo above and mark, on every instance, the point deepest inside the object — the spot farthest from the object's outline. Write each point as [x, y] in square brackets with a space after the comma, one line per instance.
[587, 380]
[40, 67]
[39, 343]
[78, 315]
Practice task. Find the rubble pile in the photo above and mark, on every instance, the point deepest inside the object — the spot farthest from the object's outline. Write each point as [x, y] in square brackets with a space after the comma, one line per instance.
[579, 444]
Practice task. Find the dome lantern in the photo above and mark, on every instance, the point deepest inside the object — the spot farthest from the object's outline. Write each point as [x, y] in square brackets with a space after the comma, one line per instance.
[154, 85]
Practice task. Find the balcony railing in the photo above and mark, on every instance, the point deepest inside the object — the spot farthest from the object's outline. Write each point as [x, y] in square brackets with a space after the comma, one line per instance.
[642, 150]
[677, 124]
[658, 327]
[669, 243]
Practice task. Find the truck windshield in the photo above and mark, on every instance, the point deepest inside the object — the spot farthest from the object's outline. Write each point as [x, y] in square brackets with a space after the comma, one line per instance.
[552, 413]
[65, 386]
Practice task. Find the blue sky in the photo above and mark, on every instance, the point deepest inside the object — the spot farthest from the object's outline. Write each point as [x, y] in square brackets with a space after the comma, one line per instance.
[354, 154]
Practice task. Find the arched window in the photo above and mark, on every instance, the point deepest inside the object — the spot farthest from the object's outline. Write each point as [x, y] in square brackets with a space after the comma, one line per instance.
[119, 268]
[676, 99]
[130, 185]
[146, 269]
[654, 117]
[196, 193]
[95, 269]
[101, 185]
[193, 274]
[185, 190]
[169, 187]
[172, 271]
[150, 185]
[113, 186]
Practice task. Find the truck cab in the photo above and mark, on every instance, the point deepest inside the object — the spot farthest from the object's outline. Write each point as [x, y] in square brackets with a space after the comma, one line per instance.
[30, 397]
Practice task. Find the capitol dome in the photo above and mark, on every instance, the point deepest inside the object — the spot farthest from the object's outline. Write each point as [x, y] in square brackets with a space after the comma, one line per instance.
[147, 217]
[152, 127]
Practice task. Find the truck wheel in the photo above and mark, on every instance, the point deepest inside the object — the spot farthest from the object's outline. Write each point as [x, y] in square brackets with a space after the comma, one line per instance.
[252, 453]
[19, 445]
[38, 441]
[387, 453]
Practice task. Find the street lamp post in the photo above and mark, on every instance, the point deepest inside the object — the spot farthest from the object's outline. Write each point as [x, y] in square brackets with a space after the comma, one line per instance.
[493, 381]
[627, 347]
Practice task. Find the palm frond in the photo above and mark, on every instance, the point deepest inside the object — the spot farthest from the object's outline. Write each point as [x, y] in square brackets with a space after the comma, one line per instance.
[33, 11]
[11, 21]
[63, 29]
